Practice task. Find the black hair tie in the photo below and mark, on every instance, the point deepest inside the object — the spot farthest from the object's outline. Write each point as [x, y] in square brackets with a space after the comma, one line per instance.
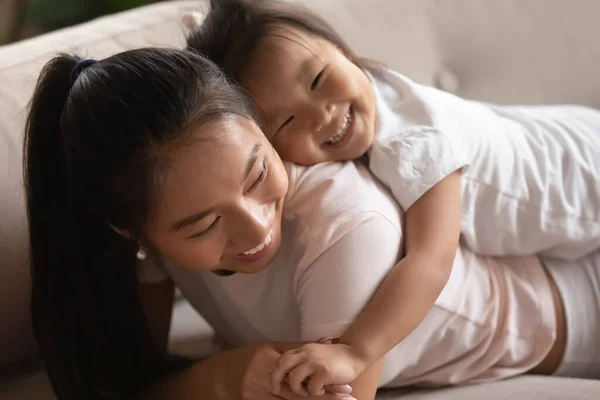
[79, 67]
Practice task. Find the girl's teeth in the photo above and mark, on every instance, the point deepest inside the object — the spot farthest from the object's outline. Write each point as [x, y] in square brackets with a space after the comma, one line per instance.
[261, 246]
[339, 135]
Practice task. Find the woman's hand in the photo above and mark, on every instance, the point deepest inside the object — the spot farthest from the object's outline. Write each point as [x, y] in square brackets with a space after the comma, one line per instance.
[256, 381]
[242, 373]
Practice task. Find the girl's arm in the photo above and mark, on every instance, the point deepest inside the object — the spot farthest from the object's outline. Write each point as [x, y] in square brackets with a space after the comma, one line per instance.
[412, 286]
[399, 305]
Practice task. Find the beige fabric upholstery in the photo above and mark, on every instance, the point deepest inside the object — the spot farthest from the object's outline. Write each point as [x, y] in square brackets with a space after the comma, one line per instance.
[494, 50]
[19, 67]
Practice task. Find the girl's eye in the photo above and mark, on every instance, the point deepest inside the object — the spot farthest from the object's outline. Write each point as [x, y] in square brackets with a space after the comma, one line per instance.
[287, 121]
[211, 227]
[315, 82]
[261, 177]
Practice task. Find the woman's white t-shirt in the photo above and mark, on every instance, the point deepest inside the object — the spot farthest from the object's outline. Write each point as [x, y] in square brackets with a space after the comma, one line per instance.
[341, 234]
[531, 174]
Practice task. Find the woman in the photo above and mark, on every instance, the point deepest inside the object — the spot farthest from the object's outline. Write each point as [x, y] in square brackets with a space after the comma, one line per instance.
[153, 157]
[99, 141]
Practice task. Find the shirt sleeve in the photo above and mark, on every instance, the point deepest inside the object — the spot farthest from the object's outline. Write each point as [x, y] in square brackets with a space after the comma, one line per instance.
[338, 284]
[412, 163]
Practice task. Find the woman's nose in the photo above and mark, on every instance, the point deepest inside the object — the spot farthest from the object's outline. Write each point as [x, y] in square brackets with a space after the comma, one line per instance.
[255, 222]
[321, 116]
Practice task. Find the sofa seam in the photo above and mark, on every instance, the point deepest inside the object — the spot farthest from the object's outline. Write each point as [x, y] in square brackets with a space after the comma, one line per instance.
[91, 43]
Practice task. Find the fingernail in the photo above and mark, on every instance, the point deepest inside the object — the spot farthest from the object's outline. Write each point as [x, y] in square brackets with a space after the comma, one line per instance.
[348, 398]
[342, 389]
[324, 340]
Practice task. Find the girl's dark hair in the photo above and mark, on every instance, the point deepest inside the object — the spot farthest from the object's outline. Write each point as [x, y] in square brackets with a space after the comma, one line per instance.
[232, 30]
[96, 142]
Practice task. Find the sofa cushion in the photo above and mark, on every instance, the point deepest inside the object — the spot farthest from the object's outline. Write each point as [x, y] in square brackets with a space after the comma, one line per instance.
[35, 385]
[494, 50]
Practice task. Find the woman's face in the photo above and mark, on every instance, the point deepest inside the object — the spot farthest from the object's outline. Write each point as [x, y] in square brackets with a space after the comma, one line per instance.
[220, 203]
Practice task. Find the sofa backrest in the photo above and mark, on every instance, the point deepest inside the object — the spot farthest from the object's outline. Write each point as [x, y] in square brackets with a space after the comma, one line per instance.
[20, 64]
[494, 50]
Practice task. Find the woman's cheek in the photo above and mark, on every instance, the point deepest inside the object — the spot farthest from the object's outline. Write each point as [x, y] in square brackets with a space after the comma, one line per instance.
[198, 257]
[282, 183]
[279, 180]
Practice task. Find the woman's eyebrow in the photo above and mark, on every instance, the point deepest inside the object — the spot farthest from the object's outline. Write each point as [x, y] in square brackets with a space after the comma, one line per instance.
[252, 157]
[192, 219]
[189, 220]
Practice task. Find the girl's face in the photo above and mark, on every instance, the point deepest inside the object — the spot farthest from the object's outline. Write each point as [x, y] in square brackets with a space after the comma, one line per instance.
[221, 200]
[319, 106]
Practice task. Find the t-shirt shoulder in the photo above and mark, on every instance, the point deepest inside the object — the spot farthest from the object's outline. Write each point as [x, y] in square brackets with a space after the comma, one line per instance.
[350, 231]
[418, 140]
[326, 195]
[328, 201]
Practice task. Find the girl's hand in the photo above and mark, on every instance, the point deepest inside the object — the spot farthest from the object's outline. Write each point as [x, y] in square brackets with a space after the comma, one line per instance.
[256, 383]
[311, 367]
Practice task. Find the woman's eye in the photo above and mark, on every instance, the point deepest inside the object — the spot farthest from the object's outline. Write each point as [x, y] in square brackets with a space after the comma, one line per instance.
[260, 179]
[315, 82]
[287, 121]
[210, 227]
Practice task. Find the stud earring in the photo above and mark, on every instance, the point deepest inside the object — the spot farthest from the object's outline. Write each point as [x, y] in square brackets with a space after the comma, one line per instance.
[141, 254]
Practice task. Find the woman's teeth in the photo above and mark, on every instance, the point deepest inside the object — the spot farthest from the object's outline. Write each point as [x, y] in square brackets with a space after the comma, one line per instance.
[261, 246]
[339, 135]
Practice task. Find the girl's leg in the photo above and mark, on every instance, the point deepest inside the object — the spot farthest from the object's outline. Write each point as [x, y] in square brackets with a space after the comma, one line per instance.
[549, 365]
[578, 283]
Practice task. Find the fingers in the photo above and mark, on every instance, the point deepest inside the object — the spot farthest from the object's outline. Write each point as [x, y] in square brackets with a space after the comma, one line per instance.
[298, 376]
[325, 340]
[319, 384]
[316, 383]
[284, 365]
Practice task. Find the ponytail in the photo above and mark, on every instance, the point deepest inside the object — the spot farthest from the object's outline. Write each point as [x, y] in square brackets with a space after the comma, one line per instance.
[51, 221]
[86, 313]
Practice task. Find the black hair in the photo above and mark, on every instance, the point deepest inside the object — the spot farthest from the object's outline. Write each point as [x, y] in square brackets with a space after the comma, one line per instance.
[96, 142]
[232, 30]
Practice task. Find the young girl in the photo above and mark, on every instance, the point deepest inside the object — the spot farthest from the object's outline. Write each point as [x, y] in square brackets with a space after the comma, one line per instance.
[510, 180]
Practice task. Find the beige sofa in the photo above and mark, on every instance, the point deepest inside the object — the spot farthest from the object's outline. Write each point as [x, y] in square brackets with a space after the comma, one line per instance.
[495, 50]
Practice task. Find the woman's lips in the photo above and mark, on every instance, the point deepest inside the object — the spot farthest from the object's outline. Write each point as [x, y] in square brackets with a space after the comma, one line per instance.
[259, 251]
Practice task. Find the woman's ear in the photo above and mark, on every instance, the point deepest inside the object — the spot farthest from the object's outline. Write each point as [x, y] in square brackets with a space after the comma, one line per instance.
[121, 232]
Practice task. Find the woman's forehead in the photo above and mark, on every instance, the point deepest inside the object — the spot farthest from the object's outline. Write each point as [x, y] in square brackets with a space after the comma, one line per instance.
[214, 143]
[216, 156]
